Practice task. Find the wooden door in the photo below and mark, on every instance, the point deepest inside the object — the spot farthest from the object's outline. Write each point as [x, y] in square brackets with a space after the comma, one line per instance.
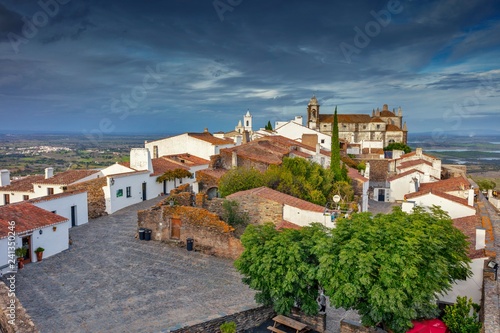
[144, 192]
[27, 244]
[175, 228]
[381, 195]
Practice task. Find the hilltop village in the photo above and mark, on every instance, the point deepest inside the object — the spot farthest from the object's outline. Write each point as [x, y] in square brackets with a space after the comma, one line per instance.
[182, 176]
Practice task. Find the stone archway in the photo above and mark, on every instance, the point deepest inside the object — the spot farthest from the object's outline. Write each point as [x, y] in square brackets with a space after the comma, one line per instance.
[212, 192]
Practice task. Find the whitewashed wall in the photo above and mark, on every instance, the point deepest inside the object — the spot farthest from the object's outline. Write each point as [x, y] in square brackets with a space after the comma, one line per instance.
[121, 182]
[295, 131]
[52, 241]
[404, 185]
[305, 217]
[470, 287]
[455, 210]
[115, 169]
[62, 206]
[14, 196]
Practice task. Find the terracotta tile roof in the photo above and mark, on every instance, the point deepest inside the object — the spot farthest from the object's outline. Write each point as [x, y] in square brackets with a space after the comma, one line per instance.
[468, 225]
[287, 225]
[27, 217]
[409, 164]
[285, 199]
[55, 196]
[187, 159]
[379, 151]
[404, 174]
[353, 118]
[214, 173]
[301, 154]
[354, 174]
[24, 184]
[207, 137]
[386, 113]
[414, 154]
[376, 120]
[447, 185]
[439, 194]
[392, 128]
[67, 177]
[161, 165]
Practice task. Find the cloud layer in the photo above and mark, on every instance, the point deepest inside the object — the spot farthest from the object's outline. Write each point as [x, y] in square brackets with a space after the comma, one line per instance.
[182, 65]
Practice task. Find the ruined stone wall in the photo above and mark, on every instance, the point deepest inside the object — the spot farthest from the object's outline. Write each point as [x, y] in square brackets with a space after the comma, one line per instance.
[95, 196]
[210, 234]
[13, 318]
[244, 320]
[260, 210]
[379, 170]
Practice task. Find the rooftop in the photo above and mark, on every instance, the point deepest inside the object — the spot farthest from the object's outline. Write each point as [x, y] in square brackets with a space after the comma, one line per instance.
[447, 185]
[24, 184]
[468, 226]
[207, 137]
[67, 177]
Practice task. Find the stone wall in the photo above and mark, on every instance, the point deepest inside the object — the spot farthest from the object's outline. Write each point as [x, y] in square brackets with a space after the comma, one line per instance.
[244, 321]
[348, 326]
[379, 170]
[95, 196]
[260, 210]
[211, 235]
[317, 323]
[22, 322]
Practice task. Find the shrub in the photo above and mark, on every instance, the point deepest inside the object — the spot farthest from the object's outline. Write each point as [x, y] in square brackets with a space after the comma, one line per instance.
[228, 327]
[458, 319]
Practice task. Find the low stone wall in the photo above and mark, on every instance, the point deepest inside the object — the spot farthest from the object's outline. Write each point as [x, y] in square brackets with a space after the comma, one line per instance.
[348, 326]
[13, 318]
[317, 323]
[211, 235]
[244, 321]
[95, 196]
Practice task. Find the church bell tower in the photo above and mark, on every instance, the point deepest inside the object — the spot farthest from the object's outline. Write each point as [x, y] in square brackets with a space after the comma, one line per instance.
[313, 113]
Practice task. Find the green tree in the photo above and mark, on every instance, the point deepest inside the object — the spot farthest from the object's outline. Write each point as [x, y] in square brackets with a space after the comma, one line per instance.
[335, 149]
[269, 127]
[232, 214]
[282, 265]
[173, 175]
[458, 319]
[398, 146]
[391, 267]
[486, 184]
[240, 179]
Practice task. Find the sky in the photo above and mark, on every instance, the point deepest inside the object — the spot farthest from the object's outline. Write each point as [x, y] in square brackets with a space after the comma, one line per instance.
[104, 67]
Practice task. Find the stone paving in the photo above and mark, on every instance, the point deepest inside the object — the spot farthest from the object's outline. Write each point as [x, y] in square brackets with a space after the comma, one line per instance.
[108, 281]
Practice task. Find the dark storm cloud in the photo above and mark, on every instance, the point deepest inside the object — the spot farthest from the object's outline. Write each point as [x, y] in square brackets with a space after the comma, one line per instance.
[269, 57]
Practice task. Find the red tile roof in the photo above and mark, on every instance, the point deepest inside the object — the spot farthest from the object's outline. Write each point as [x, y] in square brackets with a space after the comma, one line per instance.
[413, 153]
[439, 194]
[392, 128]
[285, 199]
[354, 174]
[386, 113]
[403, 174]
[24, 184]
[447, 185]
[301, 154]
[67, 177]
[55, 196]
[187, 159]
[27, 217]
[376, 120]
[207, 137]
[161, 165]
[287, 225]
[408, 164]
[353, 118]
[468, 225]
[214, 173]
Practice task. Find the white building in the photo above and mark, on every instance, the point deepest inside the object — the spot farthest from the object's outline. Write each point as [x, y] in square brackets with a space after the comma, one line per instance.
[34, 227]
[70, 205]
[427, 164]
[30, 187]
[202, 145]
[131, 183]
[456, 207]
[295, 131]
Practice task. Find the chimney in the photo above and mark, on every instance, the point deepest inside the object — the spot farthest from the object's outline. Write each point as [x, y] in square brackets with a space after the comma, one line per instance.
[140, 159]
[234, 159]
[318, 149]
[298, 120]
[205, 130]
[480, 238]
[49, 173]
[367, 170]
[418, 152]
[470, 198]
[4, 177]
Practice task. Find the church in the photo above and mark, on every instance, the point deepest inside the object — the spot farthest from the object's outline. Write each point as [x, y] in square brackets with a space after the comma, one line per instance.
[383, 125]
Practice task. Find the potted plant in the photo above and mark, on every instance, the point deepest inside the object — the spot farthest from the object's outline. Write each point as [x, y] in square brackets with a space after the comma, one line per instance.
[20, 254]
[39, 253]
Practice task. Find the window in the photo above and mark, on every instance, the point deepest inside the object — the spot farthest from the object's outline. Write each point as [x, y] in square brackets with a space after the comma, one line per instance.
[6, 199]
[378, 126]
[26, 197]
[155, 151]
[50, 190]
[193, 175]
[129, 191]
[322, 140]
[248, 123]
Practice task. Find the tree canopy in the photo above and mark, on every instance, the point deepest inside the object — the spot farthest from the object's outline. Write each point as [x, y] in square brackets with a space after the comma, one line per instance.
[240, 179]
[282, 265]
[173, 175]
[486, 184]
[390, 267]
[269, 127]
[398, 146]
[387, 267]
